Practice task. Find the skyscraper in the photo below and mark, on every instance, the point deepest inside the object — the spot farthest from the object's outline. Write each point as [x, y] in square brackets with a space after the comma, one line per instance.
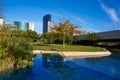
[46, 23]
[22, 25]
[10, 25]
[31, 26]
[1, 21]
[25, 26]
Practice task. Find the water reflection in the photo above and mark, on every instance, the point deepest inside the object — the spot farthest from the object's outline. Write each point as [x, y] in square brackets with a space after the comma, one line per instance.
[18, 74]
[52, 60]
[54, 67]
[93, 60]
[60, 68]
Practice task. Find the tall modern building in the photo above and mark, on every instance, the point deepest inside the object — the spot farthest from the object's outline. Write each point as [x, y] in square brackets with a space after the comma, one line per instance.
[1, 21]
[10, 25]
[22, 25]
[31, 26]
[25, 26]
[46, 23]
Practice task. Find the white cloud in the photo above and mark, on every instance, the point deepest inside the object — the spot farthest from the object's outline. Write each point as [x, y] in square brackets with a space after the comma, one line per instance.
[81, 20]
[110, 12]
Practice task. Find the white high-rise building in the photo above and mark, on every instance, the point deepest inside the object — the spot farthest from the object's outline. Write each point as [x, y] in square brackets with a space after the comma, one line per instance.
[31, 26]
[50, 25]
[10, 25]
[1, 22]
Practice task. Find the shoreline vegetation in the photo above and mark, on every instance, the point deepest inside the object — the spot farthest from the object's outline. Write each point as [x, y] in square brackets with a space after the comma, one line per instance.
[15, 50]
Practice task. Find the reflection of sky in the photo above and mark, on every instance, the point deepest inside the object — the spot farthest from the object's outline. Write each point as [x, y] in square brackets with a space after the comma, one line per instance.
[74, 69]
[39, 72]
[105, 68]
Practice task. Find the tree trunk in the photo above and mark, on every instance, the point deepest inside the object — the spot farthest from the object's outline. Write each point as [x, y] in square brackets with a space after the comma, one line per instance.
[63, 43]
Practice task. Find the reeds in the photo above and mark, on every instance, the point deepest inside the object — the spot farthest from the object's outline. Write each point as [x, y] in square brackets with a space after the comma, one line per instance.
[15, 49]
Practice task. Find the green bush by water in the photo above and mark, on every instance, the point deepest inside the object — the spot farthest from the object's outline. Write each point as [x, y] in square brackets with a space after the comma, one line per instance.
[15, 49]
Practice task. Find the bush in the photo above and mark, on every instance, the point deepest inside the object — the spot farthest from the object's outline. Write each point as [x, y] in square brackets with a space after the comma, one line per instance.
[15, 46]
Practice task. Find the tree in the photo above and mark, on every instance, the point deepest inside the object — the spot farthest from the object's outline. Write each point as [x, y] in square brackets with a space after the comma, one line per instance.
[49, 37]
[14, 47]
[61, 33]
[32, 35]
[93, 37]
[75, 39]
[67, 29]
[19, 33]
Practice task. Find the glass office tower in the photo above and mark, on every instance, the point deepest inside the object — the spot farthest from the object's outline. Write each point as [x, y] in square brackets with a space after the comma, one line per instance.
[46, 20]
[10, 25]
[22, 25]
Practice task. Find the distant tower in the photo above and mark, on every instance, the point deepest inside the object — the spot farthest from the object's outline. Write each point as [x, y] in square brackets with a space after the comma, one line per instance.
[46, 23]
[22, 25]
[1, 21]
[31, 26]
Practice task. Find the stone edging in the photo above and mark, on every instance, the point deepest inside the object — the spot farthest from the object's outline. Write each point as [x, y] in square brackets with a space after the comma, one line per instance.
[75, 54]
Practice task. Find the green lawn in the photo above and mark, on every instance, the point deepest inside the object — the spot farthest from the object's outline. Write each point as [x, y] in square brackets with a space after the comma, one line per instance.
[59, 47]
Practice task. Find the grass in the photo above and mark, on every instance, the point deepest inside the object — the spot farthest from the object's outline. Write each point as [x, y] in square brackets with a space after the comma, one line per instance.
[59, 47]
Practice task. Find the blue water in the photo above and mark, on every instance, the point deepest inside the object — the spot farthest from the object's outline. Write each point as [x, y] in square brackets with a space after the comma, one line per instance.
[54, 67]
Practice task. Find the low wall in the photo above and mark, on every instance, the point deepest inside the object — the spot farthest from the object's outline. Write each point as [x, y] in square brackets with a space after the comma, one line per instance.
[75, 54]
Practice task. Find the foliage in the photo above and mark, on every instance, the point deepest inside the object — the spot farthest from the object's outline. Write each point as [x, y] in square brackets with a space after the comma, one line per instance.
[75, 39]
[19, 33]
[32, 35]
[93, 37]
[15, 47]
[61, 33]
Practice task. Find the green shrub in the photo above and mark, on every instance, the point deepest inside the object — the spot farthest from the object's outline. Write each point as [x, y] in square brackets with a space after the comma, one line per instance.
[16, 46]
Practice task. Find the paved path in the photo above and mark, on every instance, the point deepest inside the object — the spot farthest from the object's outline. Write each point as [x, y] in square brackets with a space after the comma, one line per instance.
[75, 54]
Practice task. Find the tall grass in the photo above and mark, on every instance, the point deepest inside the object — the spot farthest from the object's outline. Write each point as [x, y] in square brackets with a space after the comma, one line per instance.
[15, 50]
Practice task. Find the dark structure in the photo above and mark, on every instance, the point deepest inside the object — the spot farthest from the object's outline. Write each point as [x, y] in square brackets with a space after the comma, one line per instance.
[46, 20]
[111, 36]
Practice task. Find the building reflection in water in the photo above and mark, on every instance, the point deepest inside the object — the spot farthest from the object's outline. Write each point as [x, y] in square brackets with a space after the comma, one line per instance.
[52, 60]
[56, 64]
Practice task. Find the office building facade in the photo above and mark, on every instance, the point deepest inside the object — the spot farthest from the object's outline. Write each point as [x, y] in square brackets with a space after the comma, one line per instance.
[10, 25]
[31, 26]
[46, 23]
[22, 25]
[25, 26]
[1, 21]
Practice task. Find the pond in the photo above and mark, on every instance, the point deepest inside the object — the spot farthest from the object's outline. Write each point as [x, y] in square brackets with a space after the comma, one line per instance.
[54, 67]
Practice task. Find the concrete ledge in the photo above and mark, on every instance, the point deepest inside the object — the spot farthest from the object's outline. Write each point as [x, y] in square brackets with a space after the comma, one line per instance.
[75, 54]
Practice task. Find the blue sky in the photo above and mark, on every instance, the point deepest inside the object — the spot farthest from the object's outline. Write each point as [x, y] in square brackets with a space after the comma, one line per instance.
[92, 15]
